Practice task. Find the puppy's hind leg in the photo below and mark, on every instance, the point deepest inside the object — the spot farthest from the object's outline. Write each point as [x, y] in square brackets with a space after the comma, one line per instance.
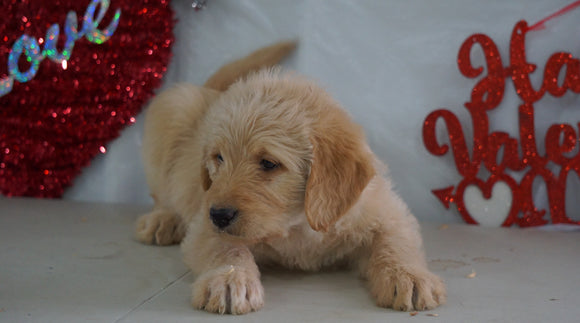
[160, 226]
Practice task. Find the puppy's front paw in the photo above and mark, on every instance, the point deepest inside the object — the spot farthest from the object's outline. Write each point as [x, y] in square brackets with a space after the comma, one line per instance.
[160, 227]
[407, 290]
[228, 289]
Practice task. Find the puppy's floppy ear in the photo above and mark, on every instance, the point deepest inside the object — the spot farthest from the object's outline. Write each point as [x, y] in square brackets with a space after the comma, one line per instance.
[341, 168]
[205, 179]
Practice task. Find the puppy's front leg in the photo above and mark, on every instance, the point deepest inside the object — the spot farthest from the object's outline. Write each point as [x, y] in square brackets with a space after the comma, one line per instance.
[397, 271]
[227, 277]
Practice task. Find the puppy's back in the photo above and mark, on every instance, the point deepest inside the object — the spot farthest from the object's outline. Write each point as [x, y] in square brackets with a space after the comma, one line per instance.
[262, 58]
[172, 117]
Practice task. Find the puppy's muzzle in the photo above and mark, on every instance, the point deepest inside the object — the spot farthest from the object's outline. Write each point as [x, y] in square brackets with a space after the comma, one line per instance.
[222, 217]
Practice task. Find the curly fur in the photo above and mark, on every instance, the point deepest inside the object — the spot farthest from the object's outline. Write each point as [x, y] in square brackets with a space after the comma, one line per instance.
[329, 202]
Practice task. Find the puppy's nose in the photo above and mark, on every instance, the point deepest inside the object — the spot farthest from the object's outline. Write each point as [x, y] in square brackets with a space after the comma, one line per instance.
[223, 217]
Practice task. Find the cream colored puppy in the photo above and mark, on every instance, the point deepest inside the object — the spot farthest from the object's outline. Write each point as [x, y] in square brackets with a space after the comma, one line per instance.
[267, 168]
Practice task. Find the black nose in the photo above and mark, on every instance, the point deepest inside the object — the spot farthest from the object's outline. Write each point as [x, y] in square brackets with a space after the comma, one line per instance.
[223, 217]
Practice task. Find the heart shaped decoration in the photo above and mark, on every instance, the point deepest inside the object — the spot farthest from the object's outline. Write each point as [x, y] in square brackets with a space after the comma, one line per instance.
[73, 74]
[490, 203]
[490, 210]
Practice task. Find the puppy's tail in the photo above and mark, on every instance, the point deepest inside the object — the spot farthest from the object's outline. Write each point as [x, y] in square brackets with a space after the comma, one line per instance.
[265, 57]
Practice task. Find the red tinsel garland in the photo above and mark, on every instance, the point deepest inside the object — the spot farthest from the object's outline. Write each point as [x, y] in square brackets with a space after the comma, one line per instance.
[54, 124]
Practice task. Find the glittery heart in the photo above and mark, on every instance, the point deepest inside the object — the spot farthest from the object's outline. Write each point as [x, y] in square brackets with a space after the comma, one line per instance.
[53, 124]
[490, 211]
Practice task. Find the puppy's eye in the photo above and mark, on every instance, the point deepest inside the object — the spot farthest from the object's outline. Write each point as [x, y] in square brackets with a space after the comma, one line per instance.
[268, 165]
[219, 158]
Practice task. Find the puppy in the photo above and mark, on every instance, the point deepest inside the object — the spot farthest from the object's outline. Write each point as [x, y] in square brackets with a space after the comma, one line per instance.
[261, 167]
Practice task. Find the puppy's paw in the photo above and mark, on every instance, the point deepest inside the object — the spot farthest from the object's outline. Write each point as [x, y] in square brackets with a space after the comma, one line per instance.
[228, 289]
[407, 290]
[160, 227]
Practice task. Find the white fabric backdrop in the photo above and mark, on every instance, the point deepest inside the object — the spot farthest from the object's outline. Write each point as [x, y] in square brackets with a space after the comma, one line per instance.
[389, 63]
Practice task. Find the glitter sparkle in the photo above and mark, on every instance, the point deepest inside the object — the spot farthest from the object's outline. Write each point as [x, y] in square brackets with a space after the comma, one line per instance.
[54, 124]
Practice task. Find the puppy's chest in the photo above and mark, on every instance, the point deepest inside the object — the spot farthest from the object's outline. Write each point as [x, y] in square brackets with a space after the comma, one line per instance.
[306, 249]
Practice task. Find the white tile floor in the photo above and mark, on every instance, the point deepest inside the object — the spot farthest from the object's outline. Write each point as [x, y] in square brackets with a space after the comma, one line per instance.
[75, 262]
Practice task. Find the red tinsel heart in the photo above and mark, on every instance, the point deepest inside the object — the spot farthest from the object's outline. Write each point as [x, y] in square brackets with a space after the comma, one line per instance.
[54, 124]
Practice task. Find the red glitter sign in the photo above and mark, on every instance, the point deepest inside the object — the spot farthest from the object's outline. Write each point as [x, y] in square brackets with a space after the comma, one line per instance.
[486, 95]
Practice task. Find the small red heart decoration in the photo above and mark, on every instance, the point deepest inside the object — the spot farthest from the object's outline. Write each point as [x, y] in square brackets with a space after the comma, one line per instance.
[53, 122]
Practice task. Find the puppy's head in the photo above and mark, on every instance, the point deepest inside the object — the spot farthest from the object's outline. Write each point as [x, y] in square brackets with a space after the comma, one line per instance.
[277, 149]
